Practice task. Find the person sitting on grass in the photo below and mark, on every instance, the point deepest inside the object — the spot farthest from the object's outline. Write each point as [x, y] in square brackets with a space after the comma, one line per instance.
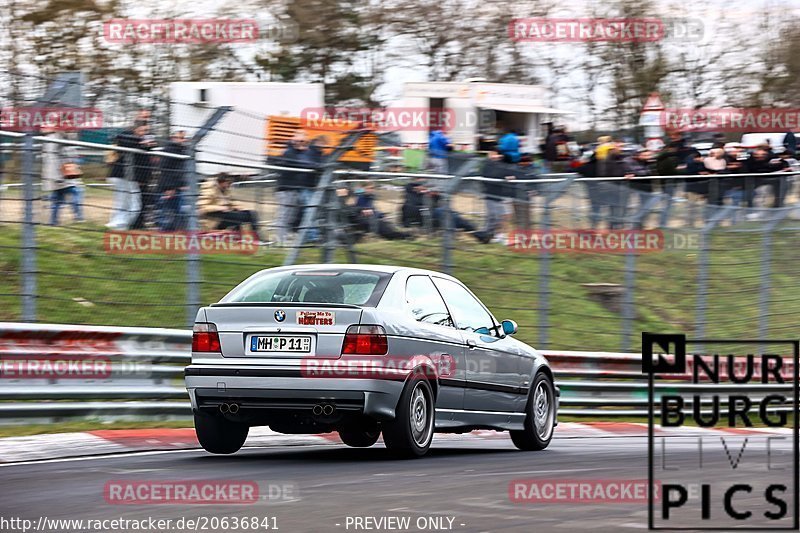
[374, 219]
[217, 206]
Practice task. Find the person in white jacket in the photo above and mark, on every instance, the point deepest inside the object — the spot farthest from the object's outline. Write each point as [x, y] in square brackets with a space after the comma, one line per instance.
[61, 178]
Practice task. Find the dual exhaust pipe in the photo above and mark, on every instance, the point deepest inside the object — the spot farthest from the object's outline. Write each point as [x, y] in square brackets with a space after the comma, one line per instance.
[319, 409]
[231, 408]
[326, 409]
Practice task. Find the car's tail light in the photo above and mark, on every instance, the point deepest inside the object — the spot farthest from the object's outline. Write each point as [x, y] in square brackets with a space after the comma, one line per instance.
[365, 340]
[205, 338]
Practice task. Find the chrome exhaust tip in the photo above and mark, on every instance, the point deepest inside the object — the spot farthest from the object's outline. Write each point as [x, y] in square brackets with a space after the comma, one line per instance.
[317, 410]
[328, 409]
[233, 408]
[224, 408]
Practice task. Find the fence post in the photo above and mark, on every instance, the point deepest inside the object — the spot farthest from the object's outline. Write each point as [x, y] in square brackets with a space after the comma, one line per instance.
[450, 190]
[193, 276]
[2, 170]
[766, 272]
[550, 193]
[28, 235]
[628, 306]
[764, 275]
[193, 258]
[544, 281]
[702, 274]
[702, 283]
[447, 236]
[328, 207]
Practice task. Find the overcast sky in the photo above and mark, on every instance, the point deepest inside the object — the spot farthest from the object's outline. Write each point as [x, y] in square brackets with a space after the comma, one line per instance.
[705, 12]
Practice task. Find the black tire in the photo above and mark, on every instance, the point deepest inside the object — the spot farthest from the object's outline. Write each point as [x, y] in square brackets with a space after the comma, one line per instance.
[411, 437]
[360, 436]
[219, 435]
[540, 415]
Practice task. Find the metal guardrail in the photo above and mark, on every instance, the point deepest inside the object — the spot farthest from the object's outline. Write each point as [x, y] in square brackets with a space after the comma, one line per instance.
[140, 373]
[132, 372]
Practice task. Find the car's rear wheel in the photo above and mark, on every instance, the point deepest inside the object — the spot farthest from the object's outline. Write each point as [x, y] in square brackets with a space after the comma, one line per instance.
[540, 415]
[219, 435]
[411, 432]
[361, 435]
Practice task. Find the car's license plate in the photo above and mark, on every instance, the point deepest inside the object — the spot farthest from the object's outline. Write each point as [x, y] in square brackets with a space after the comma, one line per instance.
[280, 343]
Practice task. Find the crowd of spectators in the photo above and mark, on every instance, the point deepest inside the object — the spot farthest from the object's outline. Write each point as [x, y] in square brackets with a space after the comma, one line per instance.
[150, 190]
[723, 174]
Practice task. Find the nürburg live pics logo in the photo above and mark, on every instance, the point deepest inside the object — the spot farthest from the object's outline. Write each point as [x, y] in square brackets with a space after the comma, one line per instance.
[743, 474]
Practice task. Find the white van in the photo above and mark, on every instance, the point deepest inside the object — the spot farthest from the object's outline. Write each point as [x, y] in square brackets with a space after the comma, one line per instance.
[776, 140]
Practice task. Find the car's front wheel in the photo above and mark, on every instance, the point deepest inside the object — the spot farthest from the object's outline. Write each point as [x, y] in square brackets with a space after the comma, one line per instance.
[411, 432]
[219, 435]
[540, 416]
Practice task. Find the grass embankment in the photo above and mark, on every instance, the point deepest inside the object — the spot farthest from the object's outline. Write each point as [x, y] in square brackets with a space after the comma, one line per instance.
[78, 282]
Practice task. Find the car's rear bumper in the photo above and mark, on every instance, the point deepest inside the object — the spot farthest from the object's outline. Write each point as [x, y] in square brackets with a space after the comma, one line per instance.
[285, 389]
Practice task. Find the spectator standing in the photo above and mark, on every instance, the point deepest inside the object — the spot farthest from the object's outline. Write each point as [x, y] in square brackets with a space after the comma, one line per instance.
[607, 162]
[779, 184]
[790, 142]
[760, 162]
[638, 166]
[143, 166]
[127, 201]
[695, 165]
[715, 163]
[732, 186]
[61, 177]
[439, 145]
[557, 149]
[669, 162]
[509, 147]
[413, 203]
[291, 184]
[499, 193]
[309, 181]
[172, 185]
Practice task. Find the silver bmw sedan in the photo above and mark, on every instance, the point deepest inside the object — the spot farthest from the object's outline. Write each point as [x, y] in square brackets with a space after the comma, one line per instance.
[363, 350]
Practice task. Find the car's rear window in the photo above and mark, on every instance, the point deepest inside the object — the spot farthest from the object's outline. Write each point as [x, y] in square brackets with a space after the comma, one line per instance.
[354, 287]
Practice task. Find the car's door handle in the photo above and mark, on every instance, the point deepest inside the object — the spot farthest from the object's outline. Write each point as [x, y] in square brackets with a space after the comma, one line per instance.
[472, 344]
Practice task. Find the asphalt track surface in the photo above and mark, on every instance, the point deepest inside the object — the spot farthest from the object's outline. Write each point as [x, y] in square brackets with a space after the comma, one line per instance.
[465, 479]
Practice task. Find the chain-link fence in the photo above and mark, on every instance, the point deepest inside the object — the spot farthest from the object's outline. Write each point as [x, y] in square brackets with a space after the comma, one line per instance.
[558, 253]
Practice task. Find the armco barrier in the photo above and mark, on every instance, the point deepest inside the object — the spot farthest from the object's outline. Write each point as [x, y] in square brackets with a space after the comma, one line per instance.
[139, 372]
[130, 372]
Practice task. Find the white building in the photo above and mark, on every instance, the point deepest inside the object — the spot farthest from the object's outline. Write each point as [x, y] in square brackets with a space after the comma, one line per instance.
[241, 135]
[482, 108]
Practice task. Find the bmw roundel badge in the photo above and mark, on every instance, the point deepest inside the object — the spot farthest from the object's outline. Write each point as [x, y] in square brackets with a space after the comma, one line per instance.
[280, 315]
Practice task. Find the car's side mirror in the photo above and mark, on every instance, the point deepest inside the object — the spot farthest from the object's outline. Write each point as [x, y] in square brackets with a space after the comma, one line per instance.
[509, 327]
